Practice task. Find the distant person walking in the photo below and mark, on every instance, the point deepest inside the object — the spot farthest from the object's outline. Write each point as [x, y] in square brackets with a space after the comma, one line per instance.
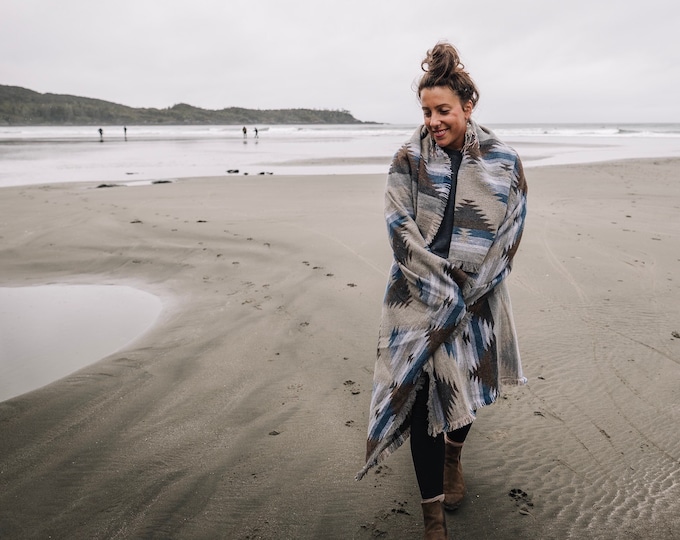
[101, 135]
[257, 135]
[125, 132]
[245, 132]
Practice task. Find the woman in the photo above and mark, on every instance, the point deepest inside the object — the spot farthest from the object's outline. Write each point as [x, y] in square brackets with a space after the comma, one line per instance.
[455, 204]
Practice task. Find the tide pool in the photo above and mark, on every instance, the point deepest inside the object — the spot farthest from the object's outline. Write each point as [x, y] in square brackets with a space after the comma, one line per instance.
[50, 331]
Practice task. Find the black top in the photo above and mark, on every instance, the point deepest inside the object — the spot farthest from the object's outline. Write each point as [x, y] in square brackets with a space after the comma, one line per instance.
[442, 240]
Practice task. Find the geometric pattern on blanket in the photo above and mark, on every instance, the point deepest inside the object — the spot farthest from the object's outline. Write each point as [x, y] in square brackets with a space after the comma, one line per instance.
[450, 318]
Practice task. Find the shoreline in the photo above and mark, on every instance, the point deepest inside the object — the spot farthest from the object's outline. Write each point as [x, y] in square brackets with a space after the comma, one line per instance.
[166, 153]
[253, 391]
[530, 162]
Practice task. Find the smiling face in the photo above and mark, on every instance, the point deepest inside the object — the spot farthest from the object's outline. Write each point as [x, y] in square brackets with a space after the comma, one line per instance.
[445, 116]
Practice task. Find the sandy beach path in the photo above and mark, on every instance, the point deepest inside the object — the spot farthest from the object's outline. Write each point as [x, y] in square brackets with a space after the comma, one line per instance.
[242, 413]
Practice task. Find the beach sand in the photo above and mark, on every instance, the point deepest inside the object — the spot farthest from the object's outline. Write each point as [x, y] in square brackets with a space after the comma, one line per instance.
[242, 413]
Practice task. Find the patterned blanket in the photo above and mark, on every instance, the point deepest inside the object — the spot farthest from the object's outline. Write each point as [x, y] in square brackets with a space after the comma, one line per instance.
[450, 318]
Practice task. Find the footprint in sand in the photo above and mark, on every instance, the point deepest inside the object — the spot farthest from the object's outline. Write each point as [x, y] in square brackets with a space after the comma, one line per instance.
[373, 531]
[383, 470]
[522, 500]
[400, 508]
[351, 385]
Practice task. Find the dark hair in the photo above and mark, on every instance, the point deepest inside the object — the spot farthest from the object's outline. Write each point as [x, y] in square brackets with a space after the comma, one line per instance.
[442, 67]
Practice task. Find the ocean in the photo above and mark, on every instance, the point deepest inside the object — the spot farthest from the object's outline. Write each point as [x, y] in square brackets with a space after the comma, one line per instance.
[47, 154]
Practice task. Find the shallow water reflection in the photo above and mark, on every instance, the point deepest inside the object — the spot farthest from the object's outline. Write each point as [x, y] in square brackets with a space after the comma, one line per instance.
[49, 331]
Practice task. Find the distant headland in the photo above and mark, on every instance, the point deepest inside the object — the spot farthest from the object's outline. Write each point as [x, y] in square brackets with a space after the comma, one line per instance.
[23, 107]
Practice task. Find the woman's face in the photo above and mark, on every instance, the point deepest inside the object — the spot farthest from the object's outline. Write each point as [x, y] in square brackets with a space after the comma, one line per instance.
[445, 116]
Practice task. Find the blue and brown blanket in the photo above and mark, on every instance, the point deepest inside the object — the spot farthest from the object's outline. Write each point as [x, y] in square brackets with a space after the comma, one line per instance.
[450, 318]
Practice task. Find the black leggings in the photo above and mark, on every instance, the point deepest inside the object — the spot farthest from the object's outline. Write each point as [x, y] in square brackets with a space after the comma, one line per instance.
[428, 451]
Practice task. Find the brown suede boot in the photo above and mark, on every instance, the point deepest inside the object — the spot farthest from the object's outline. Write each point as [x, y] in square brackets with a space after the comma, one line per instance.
[454, 485]
[435, 521]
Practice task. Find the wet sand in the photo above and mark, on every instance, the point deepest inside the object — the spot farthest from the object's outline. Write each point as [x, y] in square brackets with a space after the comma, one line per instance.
[242, 412]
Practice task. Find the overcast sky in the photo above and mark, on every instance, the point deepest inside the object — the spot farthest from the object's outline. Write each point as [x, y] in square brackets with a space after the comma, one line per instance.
[533, 60]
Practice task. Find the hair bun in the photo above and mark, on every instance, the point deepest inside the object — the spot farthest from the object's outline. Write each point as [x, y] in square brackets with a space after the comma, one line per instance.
[442, 60]
[443, 67]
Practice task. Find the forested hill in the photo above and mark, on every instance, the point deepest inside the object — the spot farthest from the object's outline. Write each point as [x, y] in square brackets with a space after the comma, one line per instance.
[22, 107]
